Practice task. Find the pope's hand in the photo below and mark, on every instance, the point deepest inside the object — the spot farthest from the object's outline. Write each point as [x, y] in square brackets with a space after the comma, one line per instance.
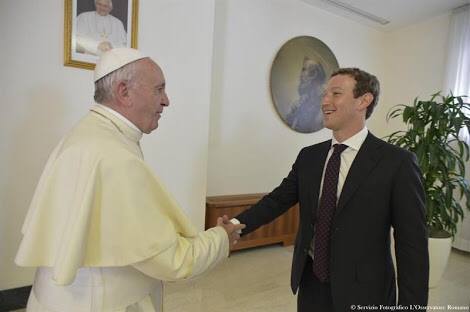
[105, 46]
[232, 230]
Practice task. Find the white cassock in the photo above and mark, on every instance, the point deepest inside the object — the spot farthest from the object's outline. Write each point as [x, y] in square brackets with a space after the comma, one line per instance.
[92, 29]
[103, 231]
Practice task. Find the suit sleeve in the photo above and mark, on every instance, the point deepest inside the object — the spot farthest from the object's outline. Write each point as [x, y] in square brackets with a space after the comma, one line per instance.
[274, 204]
[410, 233]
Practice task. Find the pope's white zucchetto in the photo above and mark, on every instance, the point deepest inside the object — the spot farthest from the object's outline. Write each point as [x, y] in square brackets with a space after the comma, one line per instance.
[115, 59]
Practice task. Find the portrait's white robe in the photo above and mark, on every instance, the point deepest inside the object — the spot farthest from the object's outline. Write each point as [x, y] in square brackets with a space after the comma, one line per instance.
[92, 29]
[102, 229]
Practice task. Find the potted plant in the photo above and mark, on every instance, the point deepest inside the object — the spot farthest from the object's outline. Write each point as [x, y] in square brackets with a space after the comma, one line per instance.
[432, 133]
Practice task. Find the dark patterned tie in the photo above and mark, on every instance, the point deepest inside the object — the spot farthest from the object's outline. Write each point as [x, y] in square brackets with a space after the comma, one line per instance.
[326, 211]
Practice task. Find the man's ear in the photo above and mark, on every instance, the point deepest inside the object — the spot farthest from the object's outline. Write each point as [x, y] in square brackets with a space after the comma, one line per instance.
[366, 100]
[122, 93]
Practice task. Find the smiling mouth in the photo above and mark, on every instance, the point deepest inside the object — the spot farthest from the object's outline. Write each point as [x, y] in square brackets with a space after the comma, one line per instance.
[328, 111]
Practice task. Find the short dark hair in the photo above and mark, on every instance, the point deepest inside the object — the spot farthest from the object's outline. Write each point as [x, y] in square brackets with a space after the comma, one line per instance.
[365, 83]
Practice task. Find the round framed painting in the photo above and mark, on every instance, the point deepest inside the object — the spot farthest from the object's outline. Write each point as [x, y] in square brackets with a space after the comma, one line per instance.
[298, 74]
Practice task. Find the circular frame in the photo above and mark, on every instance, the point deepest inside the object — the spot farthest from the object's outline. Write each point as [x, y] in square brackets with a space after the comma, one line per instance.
[298, 74]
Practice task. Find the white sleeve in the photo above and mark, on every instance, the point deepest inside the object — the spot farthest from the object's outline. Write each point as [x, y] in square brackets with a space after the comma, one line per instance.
[122, 35]
[85, 41]
[188, 257]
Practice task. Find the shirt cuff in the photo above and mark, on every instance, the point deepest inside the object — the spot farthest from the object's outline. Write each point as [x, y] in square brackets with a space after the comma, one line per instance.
[235, 221]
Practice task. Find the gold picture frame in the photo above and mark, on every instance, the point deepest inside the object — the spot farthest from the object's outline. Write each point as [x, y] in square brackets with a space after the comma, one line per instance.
[74, 55]
[298, 73]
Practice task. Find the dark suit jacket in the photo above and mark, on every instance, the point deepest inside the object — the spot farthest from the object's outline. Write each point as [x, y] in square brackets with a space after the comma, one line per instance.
[383, 189]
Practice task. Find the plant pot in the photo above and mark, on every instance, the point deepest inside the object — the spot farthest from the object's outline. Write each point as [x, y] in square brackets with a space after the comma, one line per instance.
[439, 251]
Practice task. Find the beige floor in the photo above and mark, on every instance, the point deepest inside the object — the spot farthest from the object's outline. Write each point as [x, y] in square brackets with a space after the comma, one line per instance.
[257, 280]
[454, 288]
[254, 280]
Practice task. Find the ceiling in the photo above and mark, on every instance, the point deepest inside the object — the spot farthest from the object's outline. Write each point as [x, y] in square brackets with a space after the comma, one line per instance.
[399, 13]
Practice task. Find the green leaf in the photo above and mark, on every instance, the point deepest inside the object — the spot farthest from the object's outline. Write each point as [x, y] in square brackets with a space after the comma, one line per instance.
[432, 128]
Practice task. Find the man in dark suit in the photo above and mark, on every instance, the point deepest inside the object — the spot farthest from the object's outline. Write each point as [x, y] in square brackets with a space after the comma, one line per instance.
[352, 190]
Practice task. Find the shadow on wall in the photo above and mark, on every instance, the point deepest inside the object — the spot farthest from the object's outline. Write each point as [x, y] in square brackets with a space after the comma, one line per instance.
[37, 130]
[218, 73]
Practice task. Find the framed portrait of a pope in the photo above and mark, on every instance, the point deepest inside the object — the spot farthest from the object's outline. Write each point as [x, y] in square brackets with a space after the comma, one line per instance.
[92, 27]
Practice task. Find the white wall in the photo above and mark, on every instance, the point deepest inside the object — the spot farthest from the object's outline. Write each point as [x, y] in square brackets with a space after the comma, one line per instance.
[250, 148]
[415, 60]
[42, 99]
[180, 35]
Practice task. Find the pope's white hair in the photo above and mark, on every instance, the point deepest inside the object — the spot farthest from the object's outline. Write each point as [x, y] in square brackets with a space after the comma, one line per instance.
[109, 1]
[104, 87]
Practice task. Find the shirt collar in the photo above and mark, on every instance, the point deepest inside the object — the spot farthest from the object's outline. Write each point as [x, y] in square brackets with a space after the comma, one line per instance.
[120, 122]
[118, 115]
[354, 142]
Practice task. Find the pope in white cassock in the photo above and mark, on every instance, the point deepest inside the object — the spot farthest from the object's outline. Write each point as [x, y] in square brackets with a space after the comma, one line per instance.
[98, 31]
[102, 230]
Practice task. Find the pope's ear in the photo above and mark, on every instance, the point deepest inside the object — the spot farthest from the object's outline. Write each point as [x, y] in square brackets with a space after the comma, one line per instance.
[122, 91]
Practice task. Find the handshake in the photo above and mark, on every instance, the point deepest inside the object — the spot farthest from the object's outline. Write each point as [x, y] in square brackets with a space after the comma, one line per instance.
[233, 230]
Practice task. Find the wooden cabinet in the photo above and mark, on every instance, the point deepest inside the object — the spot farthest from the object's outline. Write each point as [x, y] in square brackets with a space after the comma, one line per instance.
[281, 230]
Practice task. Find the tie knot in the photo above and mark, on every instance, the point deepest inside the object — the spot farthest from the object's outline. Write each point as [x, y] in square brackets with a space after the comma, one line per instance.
[339, 148]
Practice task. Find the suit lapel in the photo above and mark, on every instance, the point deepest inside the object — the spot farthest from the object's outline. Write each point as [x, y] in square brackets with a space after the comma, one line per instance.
[366, 159]
[318, 160]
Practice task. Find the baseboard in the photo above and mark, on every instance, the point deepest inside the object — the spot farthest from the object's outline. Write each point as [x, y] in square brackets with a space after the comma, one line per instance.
[14, 299]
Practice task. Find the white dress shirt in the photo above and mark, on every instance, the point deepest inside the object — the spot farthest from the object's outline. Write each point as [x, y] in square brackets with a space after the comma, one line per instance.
[354, 143]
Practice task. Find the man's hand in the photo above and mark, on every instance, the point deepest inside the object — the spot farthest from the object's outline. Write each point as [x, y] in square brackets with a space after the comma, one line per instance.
[233, 230]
